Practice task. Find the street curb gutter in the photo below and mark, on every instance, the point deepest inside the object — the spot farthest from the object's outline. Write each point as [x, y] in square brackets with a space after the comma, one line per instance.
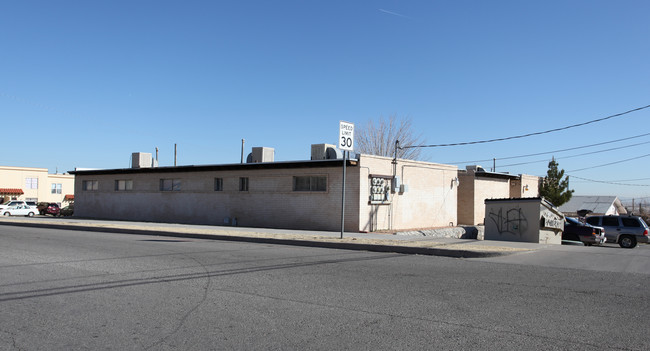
[431, 251]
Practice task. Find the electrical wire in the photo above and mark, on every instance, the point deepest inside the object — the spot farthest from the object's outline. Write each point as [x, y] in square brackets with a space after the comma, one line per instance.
[549, 152]
[578, 155]
[609, 164]
[606, 182]
[529, 134]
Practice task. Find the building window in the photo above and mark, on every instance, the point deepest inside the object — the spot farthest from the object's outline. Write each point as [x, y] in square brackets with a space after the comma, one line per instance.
[56, 188]
[310, 183]
[123, 185]
[218, 184]
[170, 185]
[31, 183]
[89, 185]
[243, 184]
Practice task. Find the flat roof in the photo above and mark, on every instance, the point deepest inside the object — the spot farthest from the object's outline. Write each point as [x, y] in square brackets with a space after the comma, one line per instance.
[495, 175]
[223, 167]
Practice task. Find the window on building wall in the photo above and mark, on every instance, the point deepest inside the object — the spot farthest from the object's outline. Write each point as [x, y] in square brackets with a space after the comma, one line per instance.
[170, 185]
[56, 188]
[123, 185]
[89, 185]
[31, 183]
[218, 184]
[310, 183]
[243, 184]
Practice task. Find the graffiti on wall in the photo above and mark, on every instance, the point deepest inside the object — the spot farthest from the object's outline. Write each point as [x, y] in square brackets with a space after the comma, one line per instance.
[551, 221]
[513, 221]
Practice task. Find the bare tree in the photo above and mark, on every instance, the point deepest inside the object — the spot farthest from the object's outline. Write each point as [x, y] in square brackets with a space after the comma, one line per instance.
[378, 138]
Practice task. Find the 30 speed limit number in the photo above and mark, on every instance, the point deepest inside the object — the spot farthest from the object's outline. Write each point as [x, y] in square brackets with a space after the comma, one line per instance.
[346, 136]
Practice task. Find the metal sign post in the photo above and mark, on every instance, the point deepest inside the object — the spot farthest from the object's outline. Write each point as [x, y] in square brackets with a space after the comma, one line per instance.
[346, 143]
[343, 196]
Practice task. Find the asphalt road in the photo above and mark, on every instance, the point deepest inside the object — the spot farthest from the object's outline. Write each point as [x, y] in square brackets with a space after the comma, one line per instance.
[75, 290]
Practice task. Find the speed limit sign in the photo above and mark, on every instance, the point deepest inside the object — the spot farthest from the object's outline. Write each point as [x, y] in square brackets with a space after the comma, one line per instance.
[346, 136]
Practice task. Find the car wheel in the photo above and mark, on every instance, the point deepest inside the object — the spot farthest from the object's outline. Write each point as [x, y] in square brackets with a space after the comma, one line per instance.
[31, 214]
[7, 214]
[627, 242]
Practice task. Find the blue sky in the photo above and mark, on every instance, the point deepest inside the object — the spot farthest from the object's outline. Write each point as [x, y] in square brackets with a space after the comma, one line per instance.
[86, 83]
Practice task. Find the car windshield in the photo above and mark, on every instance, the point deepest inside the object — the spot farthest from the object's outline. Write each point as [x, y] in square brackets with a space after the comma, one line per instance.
[572, 220]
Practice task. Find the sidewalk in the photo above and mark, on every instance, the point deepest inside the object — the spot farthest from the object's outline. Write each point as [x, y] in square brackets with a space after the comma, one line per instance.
[406, 244]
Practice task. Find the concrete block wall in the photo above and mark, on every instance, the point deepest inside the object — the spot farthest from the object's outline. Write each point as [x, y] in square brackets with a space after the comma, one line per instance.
[466, 198]
[488, 189]
[526, 186]
[431, 199]
[269, 202]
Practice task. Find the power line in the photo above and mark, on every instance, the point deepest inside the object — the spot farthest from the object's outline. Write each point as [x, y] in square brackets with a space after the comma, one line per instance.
[578, 155]
[629, 180]
[609, 164]
[606, 182]
[529, 134]
[550, 152]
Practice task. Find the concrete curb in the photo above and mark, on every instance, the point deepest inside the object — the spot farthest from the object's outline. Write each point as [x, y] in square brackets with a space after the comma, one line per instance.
[402, 249]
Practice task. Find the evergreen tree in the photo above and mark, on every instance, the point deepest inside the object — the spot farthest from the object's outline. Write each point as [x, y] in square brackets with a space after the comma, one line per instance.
[553, 187]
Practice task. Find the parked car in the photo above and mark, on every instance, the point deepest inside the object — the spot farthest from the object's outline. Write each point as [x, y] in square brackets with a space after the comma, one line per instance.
[11, 203]
[67, 211]
[51, 209]
[19, 210]
[624, 230]
[574, 230]
[42, 206]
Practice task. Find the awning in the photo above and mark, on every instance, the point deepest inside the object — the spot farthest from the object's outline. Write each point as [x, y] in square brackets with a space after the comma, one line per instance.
[68, 198]
[11, 191]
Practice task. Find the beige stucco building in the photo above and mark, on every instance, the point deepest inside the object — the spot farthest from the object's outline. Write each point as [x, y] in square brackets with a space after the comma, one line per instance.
[35, 184]
[477, 185]
[297, 195]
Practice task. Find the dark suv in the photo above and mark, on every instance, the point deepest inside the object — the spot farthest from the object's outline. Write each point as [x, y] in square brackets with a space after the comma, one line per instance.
[625, 230]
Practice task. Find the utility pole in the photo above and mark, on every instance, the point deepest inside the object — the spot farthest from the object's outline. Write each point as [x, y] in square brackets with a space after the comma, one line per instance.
[395, 159]
[175, 155]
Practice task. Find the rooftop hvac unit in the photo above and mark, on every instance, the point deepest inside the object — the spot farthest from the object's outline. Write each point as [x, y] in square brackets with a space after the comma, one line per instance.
[325, 152]
[261, 154]
[475, 168]
[142, 160]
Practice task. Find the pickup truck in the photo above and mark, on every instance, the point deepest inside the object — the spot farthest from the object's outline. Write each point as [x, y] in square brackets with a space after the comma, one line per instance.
[574, 230]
